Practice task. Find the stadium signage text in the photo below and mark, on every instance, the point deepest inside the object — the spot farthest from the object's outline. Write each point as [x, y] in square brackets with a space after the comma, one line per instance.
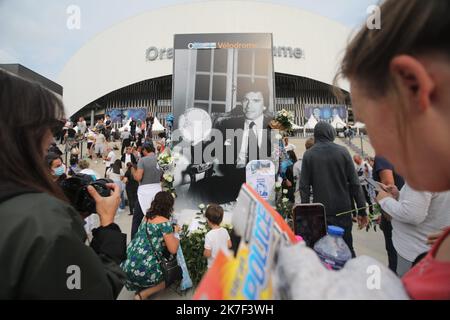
[154, 53]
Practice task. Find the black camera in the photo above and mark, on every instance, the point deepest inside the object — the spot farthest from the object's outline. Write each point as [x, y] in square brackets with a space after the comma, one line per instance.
[75, 189]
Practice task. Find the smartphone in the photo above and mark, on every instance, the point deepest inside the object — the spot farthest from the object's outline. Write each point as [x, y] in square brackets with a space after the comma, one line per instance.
[310, 222]
[374, 184]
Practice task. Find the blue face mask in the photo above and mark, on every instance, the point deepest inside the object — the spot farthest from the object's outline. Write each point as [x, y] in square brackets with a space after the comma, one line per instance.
[59, 171]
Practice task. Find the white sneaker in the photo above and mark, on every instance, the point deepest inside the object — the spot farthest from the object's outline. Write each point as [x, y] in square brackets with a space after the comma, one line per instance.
[96, 161]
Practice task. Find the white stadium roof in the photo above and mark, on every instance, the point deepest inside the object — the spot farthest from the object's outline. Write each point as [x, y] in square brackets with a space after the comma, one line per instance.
[117, 58]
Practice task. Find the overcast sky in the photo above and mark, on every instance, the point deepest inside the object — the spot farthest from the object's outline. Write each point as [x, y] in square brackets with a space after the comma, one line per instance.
[34, 32]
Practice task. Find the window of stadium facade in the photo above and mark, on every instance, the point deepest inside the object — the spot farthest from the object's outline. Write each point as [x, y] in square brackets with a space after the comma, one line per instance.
[292, 93]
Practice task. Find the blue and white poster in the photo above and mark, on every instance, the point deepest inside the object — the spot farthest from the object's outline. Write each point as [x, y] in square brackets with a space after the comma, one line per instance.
[260, 175]
[119, 115]
[328, 113]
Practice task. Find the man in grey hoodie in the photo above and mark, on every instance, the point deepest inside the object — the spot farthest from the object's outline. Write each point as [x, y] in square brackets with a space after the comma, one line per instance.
[328, 168]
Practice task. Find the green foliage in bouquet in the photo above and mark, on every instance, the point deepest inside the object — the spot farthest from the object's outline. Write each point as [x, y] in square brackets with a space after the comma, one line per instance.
[283, 206]
[167, 184]
[166, 163]
[286, 119]
[373, 218]
[165, 159]
[192, 244]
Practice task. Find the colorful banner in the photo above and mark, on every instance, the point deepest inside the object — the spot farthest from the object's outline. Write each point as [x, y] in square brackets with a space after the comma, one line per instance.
[121, 116]
[326, 113]
[260, 175]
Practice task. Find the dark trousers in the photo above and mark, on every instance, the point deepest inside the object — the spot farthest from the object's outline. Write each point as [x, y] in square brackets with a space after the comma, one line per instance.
[348, 238]
[63, 133]
[108, 134]
[346, 224]
[369, 202]
[386, 227]
[106, 170]
[125, 143]
[138, 215]
[132, 199]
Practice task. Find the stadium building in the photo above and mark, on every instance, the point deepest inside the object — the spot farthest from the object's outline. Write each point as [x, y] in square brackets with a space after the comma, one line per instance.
[129, 66]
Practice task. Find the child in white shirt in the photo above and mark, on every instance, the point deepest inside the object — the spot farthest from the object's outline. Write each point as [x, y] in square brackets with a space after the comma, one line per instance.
[217, 238]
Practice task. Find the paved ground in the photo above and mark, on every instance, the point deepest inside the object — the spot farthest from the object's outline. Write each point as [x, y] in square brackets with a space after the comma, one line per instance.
[363, 144]
[366, 243]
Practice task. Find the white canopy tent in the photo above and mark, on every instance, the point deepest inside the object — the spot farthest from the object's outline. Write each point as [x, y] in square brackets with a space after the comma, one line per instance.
[296, 127]
[359, 126]
[311, 124]
[338, 123]
[157, 126]
[126, 126]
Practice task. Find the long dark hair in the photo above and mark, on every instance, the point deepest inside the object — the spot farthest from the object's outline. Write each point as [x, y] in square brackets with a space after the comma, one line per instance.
[162, 205]
[292, 156]
[28, 112]
[116, 166]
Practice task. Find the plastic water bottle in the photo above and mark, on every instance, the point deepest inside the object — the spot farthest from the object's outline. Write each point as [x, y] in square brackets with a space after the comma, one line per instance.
[332, 249]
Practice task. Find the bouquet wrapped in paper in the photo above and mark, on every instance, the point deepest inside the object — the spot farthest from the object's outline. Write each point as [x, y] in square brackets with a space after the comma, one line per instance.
[283, 121]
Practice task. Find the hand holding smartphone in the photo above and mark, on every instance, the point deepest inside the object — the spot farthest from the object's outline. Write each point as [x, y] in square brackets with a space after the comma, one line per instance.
[375, 184]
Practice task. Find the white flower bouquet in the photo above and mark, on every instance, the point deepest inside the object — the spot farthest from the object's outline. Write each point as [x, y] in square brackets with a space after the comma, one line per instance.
[283, 120]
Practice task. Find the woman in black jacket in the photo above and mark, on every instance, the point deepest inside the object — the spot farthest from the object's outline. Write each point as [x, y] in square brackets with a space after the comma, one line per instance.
[289, 182]
[43, 254]
[131, 187]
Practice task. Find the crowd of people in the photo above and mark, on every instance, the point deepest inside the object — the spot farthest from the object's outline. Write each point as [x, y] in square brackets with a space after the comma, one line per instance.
[399, 81]
[409, 219]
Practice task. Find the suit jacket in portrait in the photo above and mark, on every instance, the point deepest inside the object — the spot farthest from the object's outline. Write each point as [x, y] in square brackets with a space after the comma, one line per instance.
[233, 145]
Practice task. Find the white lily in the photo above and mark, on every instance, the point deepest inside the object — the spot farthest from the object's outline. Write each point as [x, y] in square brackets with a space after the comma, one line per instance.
[167, 176]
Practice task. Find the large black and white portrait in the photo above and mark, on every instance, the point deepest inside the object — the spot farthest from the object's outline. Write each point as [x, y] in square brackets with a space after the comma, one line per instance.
[223, 102]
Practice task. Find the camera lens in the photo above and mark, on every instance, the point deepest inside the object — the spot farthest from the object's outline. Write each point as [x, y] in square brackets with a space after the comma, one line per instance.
[75, 189]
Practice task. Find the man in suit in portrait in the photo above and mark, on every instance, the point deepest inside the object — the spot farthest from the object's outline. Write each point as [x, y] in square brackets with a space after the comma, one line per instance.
[247, 136]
